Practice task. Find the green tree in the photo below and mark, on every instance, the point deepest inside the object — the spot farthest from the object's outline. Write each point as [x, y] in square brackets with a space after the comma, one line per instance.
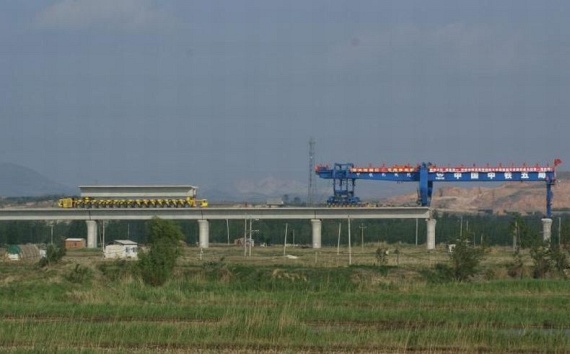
[548, 260]
[156, 266]
[525, 237]
[465, 259]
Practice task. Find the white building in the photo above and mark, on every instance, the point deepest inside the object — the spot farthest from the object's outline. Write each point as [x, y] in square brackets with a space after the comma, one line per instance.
[121, 249]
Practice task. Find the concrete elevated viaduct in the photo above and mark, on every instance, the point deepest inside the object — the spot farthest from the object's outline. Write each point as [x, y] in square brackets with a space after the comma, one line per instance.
[203, 215]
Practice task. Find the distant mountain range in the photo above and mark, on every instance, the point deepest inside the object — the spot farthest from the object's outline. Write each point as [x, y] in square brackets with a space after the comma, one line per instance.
[19, 181]
[255, 191]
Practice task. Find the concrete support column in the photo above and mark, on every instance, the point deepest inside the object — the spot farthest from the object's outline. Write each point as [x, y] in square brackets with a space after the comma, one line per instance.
[546, 229]
[91, 233]
[204, 233]
[431, 233]
[316, 226]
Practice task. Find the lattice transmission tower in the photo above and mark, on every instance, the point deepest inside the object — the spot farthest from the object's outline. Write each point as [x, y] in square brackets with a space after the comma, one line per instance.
[312, 192]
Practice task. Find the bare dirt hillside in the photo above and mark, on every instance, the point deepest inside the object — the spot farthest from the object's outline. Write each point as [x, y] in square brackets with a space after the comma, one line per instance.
[525, 198]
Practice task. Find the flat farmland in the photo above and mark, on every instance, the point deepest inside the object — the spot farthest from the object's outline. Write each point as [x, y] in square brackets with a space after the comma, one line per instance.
[220, 301]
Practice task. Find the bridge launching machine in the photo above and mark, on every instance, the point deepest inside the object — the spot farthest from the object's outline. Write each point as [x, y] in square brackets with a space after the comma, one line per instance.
[157, 196]
[344, 176]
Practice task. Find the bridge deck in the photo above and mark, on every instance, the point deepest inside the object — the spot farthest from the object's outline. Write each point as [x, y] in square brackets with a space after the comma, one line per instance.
[215, 213]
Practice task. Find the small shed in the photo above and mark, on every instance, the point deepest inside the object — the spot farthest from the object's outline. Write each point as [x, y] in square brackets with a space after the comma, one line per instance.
[74, 243]
[29, 253]
[121, 249]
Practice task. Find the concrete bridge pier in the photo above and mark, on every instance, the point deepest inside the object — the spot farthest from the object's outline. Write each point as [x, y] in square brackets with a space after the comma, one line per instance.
[316, 228]
[431, 233]
[204, 233]
[91, 233]
[546, 229]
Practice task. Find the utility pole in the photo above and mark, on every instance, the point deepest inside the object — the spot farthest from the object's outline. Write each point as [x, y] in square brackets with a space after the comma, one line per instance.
[251, 231]
[250, 234]
[416, 232]
[338, 243]
[285, 240]
[245, 238]
[559, 230]
[349, 246]
[362, 227]
[228, 229]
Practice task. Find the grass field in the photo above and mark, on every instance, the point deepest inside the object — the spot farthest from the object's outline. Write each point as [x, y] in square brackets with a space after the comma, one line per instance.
[222, 302]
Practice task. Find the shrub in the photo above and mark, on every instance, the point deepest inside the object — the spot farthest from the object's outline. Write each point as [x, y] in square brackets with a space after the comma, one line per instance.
[463, 264]
[465, 260]
[54, 254]
[382, 256]
[515, 268]
[118, 269]
[560, 260]
[156, 266]
[548, 259]
[79, 275]
[540, 254]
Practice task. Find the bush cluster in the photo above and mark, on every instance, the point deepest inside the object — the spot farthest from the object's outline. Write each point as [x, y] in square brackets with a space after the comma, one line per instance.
[549, 260]
[156, 266]
[464, 261]
[54, 254]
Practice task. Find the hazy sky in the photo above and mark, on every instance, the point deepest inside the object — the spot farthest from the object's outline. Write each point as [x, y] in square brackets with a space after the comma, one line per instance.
[214, 92]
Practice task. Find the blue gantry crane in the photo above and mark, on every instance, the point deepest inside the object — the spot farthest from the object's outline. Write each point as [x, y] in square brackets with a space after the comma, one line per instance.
[344, 176]
[343, 183]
